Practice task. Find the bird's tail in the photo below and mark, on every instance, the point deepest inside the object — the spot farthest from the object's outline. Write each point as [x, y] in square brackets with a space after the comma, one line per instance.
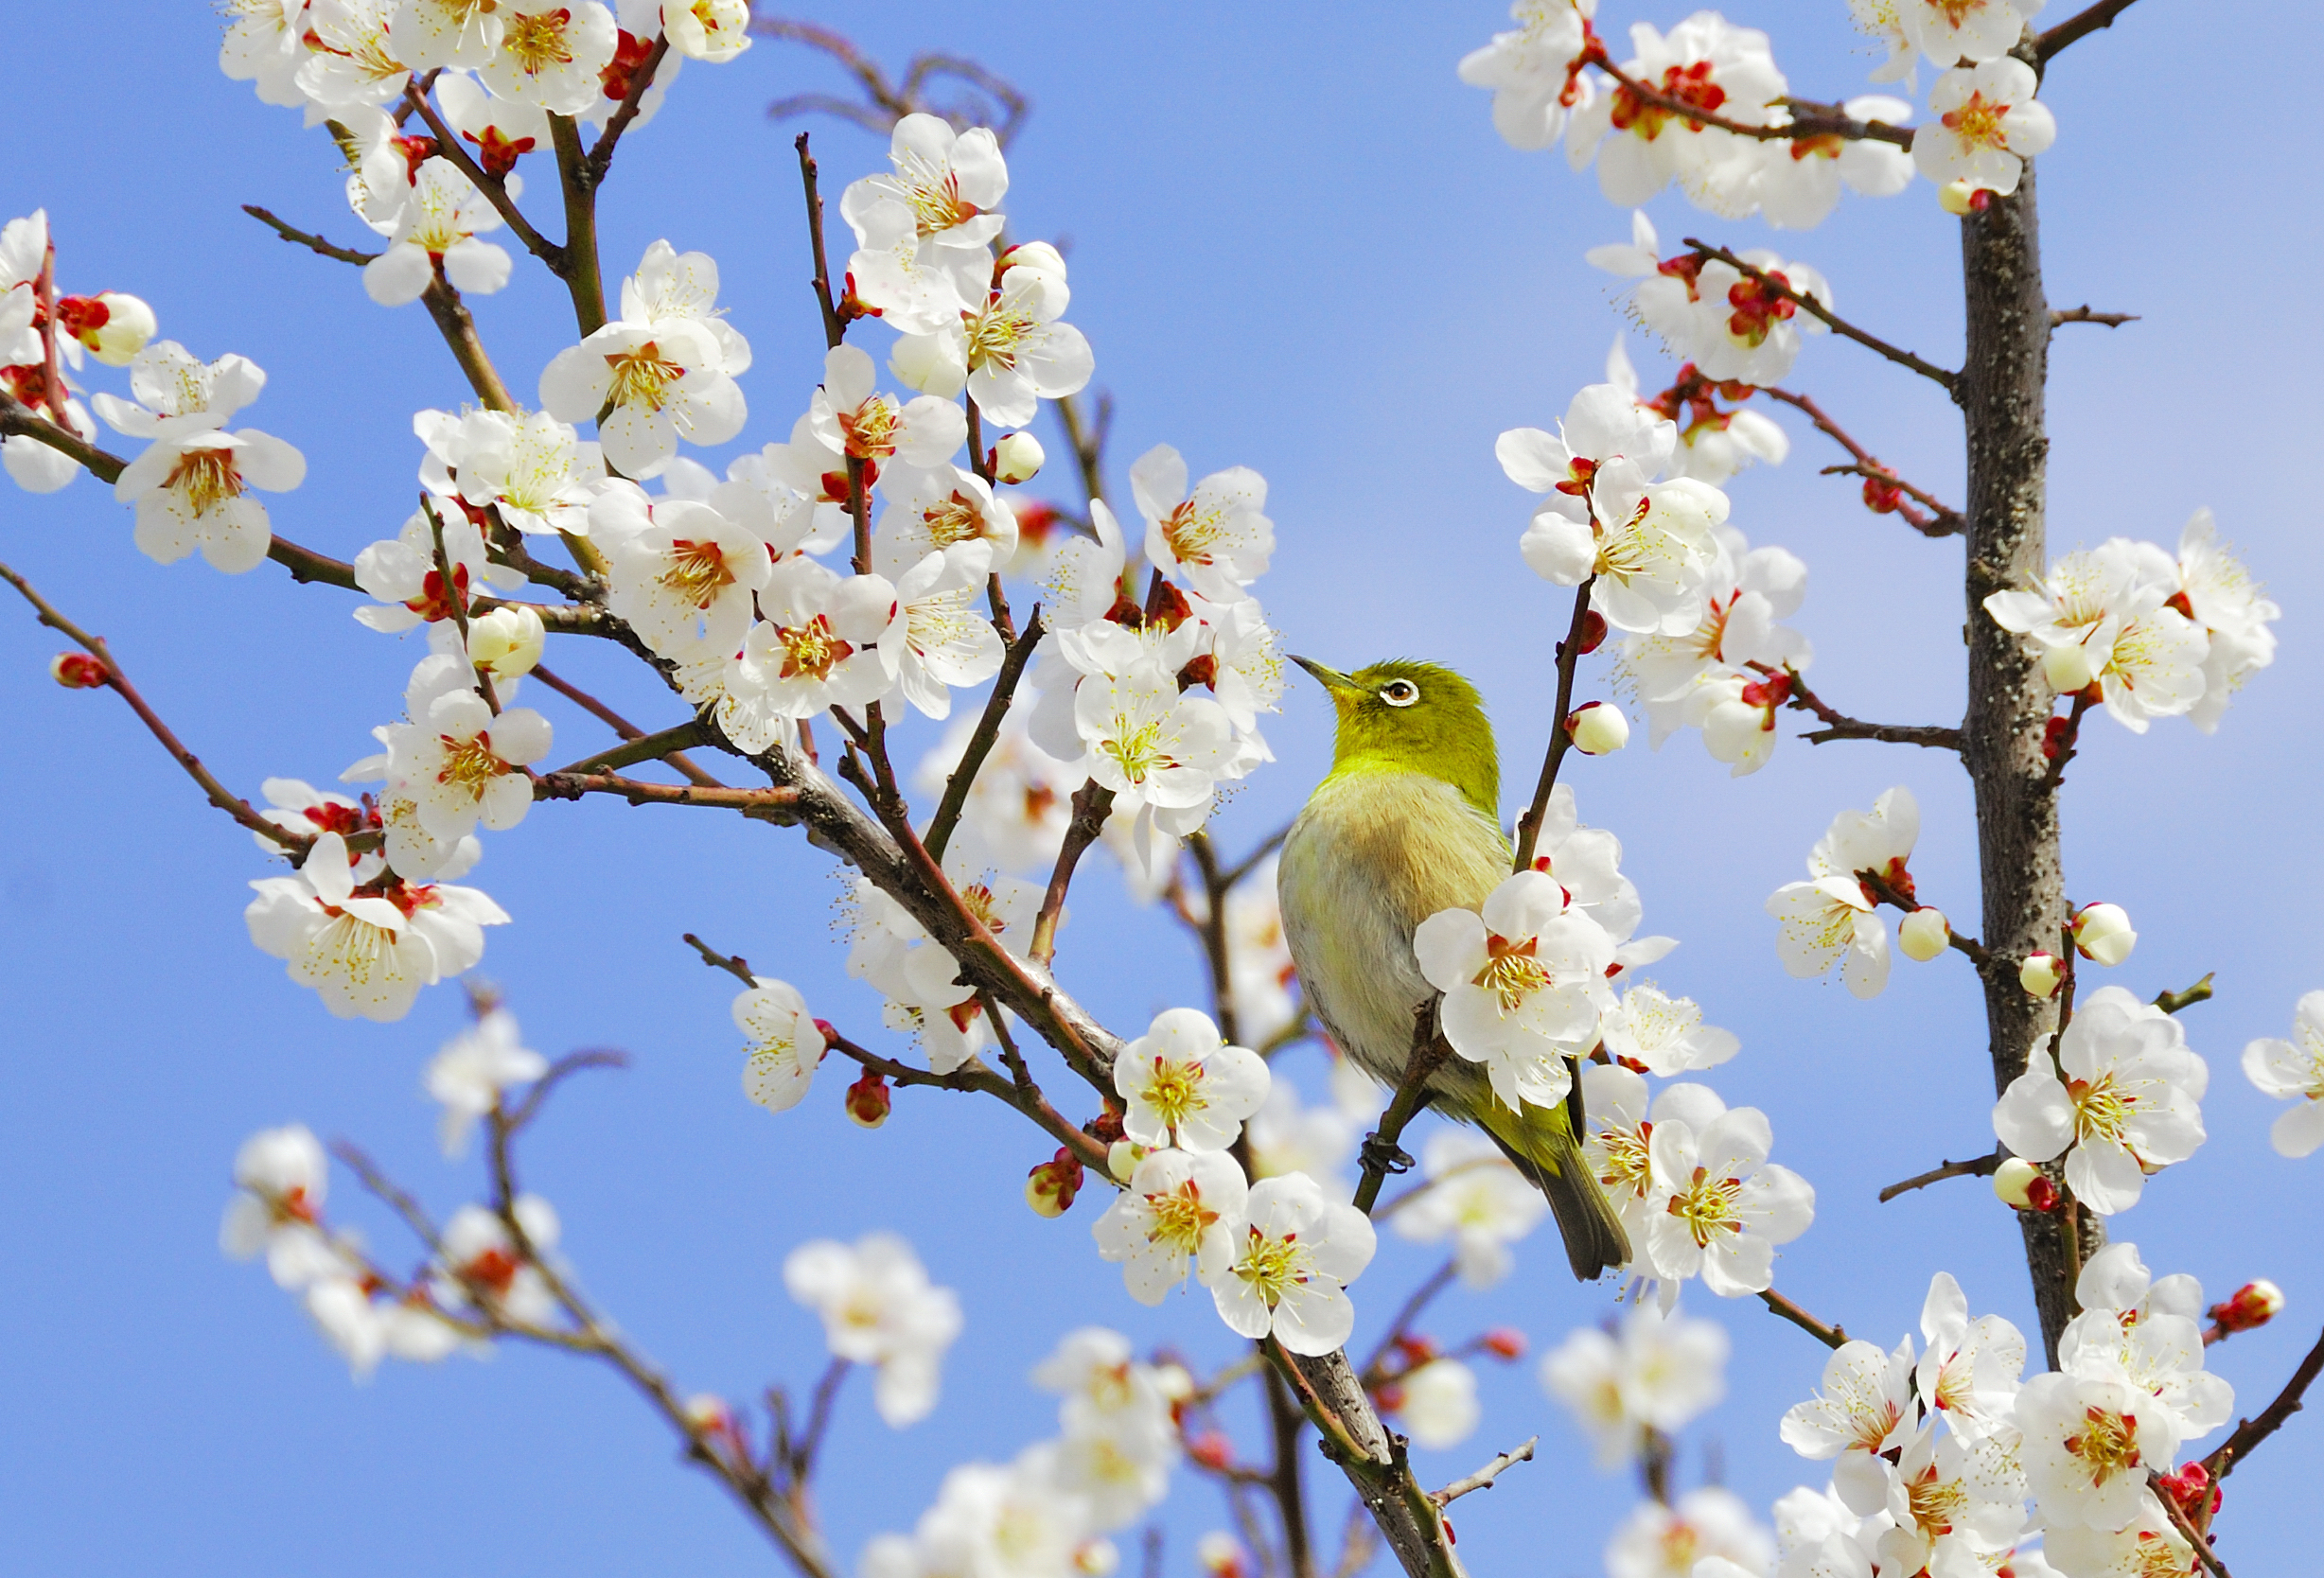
[1540, 1140]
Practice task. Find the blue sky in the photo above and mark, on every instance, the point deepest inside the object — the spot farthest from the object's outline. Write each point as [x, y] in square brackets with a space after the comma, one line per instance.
[1297, 245]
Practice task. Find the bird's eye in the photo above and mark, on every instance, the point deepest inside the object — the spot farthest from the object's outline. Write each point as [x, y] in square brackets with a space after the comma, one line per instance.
[1400, 693]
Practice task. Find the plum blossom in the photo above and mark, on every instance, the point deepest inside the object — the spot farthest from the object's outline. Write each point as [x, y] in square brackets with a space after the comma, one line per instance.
[482, 1264]
[2295, 1069]
[1617, 1146]
[1180, 1208]
[1437, 1403]
[402, 571]
[1708, 65]
[879, 1308]
[1530, 70]
[473, 1069]
[669, 284]
[446, 32]
[818, 645]
[1160, 751]
[502, 130]
[551, 53]
[437, 228]
[714, 30]
[930, 509]
[191, 485]
[530, 468]
[348, 58]
[1475, 1198]
[950, 182]
[1832, 915]
[785, 1044]
[2218, 593]
[851, 416]
[682, 573]
[1294, 1253]
[1948, 31]
[1524, 981]
[2149, 1543]
[262, 46]
[938, 640]
[2089, 1439]
[1604, 422]
[283, 1179]
[1714, 444]
[1800, 183]
[1008, 347]
[1021, 802]
[2103, 616]
[2146, 1331]
[1212, 538]
[1729, 1208]
[1647, 545]
[2123, 1102]
[1181, 1085]
[1288, 1135]
[459, 761]
[1656, 1371]
[667, 365]
[1988, 123]
[1709, 1525]
[1664, 1033]
[1863, 1408]
[1971, 1370]
[1958, 1505]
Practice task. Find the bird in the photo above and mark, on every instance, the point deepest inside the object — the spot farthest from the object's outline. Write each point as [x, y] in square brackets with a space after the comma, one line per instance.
[1407, 824]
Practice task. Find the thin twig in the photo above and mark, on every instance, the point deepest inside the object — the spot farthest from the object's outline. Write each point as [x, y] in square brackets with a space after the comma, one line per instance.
[1482, 1479]
[1814, 309]
[1569, 656]
[2187, 997]
[649, 748]
[1374, 1369]
[642, 79]
[2080, 24]
[307, 239]
[778, 805]
[619, 725]
[2187, 1531]
[1942, 519]
[1820, 120]
[1830, 1335]
[1092, 804]
[581, 274]
[835, 328]
[558, 1072]
[2083, 315]
[2250, 1432]
[447, 146]
[1983, 1167]
[980, 743]
[1838, 725]
[734, 965]
[453, 322]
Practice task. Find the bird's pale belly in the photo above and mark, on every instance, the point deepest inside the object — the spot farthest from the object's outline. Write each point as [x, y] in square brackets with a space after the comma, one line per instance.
[1372, 856]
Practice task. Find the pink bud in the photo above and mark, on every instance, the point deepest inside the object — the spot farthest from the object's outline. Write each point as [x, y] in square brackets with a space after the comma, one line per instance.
[868, 1100]
[1505, 1342]
[78, 671]
[2253, 1304]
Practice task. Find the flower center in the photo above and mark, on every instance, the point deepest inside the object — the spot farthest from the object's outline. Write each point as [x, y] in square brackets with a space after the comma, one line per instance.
[695, 573]
[206, 478]
[1135, 748]
[1176, 1091]
[1625, 1167]
[1936, 1504]
[469, 764]
[1691, 85]
[642, 377]
[956, 520]
[2102, 1110]
[2108, 1445]
[870, 428]
[934, 194]
[538, 41]
[1192, 532]
[997, 334]
[1179, 1218]
[1272, 1266]
[1707, 1206]
[1759, 306]
[1977, 123]
[811, 649]
[1511, 972]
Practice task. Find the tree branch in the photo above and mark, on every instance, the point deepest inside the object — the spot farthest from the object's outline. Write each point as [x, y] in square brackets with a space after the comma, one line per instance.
[2080, 24]
[2186, 997]
[581, 274]
[2187, 1531]
[641, 80]
[448, 146]
[2083, 315]
[1379, 1151]
[619, 725]
[1092, 804]
[1942, 519]
[301, 238]
[1569, 656]
[1831, 1335]
[1838, 725]
[980, 743]
[1819, 120]
[1983, 1167]
[1814, 309]
[2250, 1432]
[775, 805]
[1482, 1479]
[647, 747]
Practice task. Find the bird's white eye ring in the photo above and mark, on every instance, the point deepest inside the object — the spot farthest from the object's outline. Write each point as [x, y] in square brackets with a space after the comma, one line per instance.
[1400, 693]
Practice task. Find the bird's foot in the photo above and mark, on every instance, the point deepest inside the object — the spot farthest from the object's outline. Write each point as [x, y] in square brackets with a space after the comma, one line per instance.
[1380, 1156]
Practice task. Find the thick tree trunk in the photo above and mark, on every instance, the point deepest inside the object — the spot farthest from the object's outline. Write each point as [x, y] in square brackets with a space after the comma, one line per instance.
[2001, 393]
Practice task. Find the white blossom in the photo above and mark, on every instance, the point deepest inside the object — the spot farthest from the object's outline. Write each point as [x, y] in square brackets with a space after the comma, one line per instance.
[473, 1070]
[192, 483]
[1988, 123]
[2124, 1100]
[2295, 1069]
[785, 1044]
[1294, 1254]
[1833, 915]
[1472, 1195]
[1655, 1371]
[1181, 1209]
[1729, 1208]
[1524, 981]
[879, 1308]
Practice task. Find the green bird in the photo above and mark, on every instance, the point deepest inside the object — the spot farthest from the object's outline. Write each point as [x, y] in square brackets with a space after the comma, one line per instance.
[1407, 824]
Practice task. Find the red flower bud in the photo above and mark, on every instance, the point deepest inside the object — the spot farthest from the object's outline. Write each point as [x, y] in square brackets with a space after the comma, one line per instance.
[868, 1100]
[1882, 496]
[2251, 1306]
[1211, 1449]
[2041, 1194]
[78, 671]
[2194, 1490]
[1505, 1342]
[1592, 633]
[1050, 1186]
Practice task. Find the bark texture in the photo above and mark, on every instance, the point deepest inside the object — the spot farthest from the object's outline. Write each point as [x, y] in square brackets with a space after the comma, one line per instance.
[2000, 393]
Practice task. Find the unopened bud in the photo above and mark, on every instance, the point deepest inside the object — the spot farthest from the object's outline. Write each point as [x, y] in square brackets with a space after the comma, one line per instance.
[1882, 496]
[2040, 975]
[1924, 934]
[1597, 729]
[1173, 1382]
[1211, 1449]
[117, 329]
[1954, 197]
[2103, 934]
[2253, 1304]
[2013, 1179]
[76, 671]
[1017, 458]
[1122, 1157]
[2194, 1489]
[1050, 1187]
[2042, 1195]
[868, 1100]
[1592, 633]
[2068, 668]
[1220, 1554]
[1041, 258]
[507, 640]
[1505, 1342]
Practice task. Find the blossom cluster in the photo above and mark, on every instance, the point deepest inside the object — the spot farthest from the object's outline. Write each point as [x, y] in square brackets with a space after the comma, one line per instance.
[111, 325]
[1907, 1495]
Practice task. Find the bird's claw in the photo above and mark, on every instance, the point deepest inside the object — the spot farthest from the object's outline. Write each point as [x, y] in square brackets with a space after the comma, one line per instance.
[1383, 1156]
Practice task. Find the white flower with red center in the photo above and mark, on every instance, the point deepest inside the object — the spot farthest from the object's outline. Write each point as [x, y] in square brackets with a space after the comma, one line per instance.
[1959, 1505]
[1708, 65]
[1971, 1371]
[1700, 678]
[682, 574]
[367, 952]
[462, 763]
[349, 60]
[1647, 544]
[1832, 916]
[474, 1070]
[785, 1044]
[2104, 616]
[818, 645]
[714, 30]
[263, 45]
[1728, 1208]
[672, 284]
[938, 638]
[1800, 183]
[1746, 329]
[878, 1307]
[502, 130]
[437, 229]
[1709, 1525]
[460, 34]
[1181, 1085]
[1008, 349]
[664, 379]
[1213, 539]
[950, 182]
[1657, 1371]
[1294, 1254]
[299, 807]
[1525, 982]
[1179, 1211]
[1475, 1198]
[1987, 124]
[1863, 1408]
[931, 509]
[851, 416]
[2149, 1546]
[192, 483]
[1532, 70]
[283, 1179]
[1950, 32]
[2294, 1069]
[1160, 751]
[482, 1265]
[1665, 1034]
[1618, 1147]
[551, 53]
[402, 571]
[533, 469]
[2218, 593]
[2123, 1102]
[1603, 423]
[2088, 1441]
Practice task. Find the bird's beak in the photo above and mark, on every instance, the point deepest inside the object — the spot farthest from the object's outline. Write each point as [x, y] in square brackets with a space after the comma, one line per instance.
[1342, 688]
